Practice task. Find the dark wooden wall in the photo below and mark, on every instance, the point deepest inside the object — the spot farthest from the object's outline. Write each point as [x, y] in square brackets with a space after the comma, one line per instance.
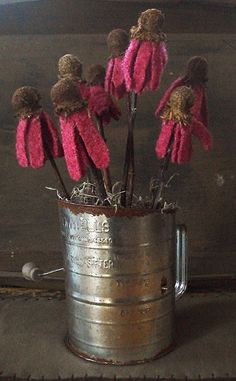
[33, 35]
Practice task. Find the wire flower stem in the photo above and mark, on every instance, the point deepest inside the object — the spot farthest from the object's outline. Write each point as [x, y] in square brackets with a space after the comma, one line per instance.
[164, 167]
[129, 165]
[105, 172]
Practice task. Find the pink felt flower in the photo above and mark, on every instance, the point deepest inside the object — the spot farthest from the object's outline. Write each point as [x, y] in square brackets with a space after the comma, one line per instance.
[36, 139]
[102, 105]
[144, 64]
[81, 143]
[182, 143]
[146, 56]
[178, 126]
[199, 109]
[117, 42]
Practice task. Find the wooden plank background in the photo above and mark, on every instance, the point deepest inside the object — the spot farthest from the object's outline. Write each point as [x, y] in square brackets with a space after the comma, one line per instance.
[33, 35]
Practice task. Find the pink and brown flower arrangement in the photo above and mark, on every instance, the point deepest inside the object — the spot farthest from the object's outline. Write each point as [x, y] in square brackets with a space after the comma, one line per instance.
[85, 106]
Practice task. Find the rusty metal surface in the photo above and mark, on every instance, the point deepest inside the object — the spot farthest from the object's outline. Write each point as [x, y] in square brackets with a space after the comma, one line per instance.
[108, 211]
[118, 309]
[88, 357]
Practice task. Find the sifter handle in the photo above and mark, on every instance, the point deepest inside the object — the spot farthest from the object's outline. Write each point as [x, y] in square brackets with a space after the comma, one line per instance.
[181, 261]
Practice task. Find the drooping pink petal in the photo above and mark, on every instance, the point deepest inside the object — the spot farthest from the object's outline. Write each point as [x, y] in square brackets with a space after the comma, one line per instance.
[118, 79]
[159, 61]
[142, 67]
[94, 143]
[204, 110]
[21, 134]
[51, 134]
[202, 133]
[182, 147]
[109, 72]
[117, 74]
[114, 80]
[37, 155]
[129, 63]
[163, 53]
[83, 156]
[164, 138]
[73, 149]
[200, 109]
